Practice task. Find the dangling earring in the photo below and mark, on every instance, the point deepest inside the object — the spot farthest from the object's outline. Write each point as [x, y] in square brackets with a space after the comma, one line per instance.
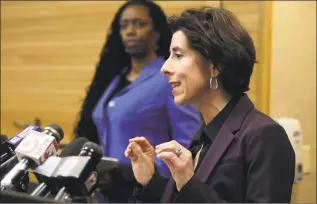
[210, 84]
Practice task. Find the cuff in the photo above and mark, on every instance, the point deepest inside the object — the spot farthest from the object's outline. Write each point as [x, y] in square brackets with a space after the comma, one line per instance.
[153, 191]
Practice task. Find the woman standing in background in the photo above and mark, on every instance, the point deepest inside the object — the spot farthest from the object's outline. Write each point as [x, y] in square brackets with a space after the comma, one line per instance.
[129, 96]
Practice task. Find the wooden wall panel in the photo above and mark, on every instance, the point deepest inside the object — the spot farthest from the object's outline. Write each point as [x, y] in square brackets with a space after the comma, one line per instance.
[48, 54]
[255, 17]
[49, 50]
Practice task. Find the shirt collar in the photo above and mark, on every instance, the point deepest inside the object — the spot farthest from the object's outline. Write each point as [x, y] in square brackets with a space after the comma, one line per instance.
[212, 128]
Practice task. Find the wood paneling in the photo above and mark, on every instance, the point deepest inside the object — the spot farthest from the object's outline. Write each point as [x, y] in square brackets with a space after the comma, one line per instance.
[48, 54]
[256, 18]
[49, 50]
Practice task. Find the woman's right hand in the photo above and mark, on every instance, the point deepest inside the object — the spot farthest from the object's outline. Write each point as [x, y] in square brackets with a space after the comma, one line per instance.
[141, 154]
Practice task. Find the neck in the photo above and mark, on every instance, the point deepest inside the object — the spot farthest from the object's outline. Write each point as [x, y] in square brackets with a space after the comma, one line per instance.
[138, 64]
[212, 103]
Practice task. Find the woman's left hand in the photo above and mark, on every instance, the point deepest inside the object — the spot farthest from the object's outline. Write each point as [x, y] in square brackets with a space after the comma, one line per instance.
[181, 166]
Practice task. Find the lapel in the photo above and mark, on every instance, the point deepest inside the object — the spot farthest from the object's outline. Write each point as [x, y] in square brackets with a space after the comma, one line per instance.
[147, 72]
[168, 192]
[219, 146]
[224, 138]
[170, 187]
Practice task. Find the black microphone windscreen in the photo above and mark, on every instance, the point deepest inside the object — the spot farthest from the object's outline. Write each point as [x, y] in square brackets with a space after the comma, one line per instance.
[57, 129]
[94, 146]
[74, 147]
[3, 138]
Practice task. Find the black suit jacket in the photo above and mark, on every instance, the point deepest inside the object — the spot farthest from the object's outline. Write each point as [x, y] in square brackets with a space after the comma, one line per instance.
[250, 160]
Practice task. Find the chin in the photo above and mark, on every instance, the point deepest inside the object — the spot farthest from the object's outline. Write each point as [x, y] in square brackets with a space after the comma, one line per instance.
[136, 52]
[180, 100]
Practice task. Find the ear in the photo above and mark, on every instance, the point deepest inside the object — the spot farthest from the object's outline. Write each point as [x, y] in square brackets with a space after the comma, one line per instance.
[213, 71]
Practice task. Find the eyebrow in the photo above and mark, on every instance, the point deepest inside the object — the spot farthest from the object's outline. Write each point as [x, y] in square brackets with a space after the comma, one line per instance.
[133, 19]
[177, 49]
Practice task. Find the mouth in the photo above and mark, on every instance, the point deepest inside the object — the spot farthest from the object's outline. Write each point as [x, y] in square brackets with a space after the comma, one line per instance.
[175, 84]
[131, 43]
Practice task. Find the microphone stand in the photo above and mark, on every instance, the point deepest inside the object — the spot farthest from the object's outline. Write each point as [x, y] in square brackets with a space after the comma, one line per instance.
[64, 195]
[40, 190]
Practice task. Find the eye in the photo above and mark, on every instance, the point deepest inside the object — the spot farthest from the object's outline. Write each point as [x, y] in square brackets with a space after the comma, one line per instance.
[123, 26]
[178, 56]
[140, 24]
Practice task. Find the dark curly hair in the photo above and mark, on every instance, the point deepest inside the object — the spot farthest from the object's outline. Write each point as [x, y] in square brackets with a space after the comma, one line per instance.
[113, 59]
[218, 36]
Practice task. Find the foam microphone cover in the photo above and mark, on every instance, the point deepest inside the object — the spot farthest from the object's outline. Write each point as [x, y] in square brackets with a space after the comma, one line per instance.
[3, 138]
[3, 148]
[91, 147]
[74, 147]
[93, 150]
[56, 129]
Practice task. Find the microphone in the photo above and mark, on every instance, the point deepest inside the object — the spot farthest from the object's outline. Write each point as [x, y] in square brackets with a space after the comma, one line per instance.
[45, 171]
[34, 149]
[8, 158]
[3, 153]
[8, 145]
[77, 175]
[3, 138]
[74, 148]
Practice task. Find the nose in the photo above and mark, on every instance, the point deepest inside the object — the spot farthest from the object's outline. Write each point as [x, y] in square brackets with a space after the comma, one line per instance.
[130, 30]
[166, 69]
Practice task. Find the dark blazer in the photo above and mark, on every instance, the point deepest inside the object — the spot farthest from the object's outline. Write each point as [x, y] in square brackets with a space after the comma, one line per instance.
[250, 160]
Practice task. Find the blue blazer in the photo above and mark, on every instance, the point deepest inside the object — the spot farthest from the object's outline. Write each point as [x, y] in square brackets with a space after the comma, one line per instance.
[144, 108]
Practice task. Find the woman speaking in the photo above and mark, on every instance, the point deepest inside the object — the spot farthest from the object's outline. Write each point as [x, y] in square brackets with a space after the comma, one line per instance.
[241, 154]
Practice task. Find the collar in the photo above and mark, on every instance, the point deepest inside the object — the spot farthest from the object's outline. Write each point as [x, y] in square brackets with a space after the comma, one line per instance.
[211, 129]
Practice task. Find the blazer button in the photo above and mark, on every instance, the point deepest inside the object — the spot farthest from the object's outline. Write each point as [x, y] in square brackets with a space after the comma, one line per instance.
[111, 104]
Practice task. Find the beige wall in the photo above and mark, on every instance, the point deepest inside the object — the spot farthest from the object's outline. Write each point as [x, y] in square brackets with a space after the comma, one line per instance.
[293, 77]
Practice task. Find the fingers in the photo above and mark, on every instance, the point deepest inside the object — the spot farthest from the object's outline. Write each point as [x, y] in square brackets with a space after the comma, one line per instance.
[166, 148]
[143, 143]
[135, 139]
[172, 143]
[171, 146]
[133, 151]
[136, 149]
[128, 151]
[170, 159]
[140, 140]
[167, 143]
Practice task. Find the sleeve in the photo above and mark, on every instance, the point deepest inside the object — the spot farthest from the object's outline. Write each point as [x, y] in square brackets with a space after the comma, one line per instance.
[153, 192]
[270, 171]
[196, 191]
[271, 166]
